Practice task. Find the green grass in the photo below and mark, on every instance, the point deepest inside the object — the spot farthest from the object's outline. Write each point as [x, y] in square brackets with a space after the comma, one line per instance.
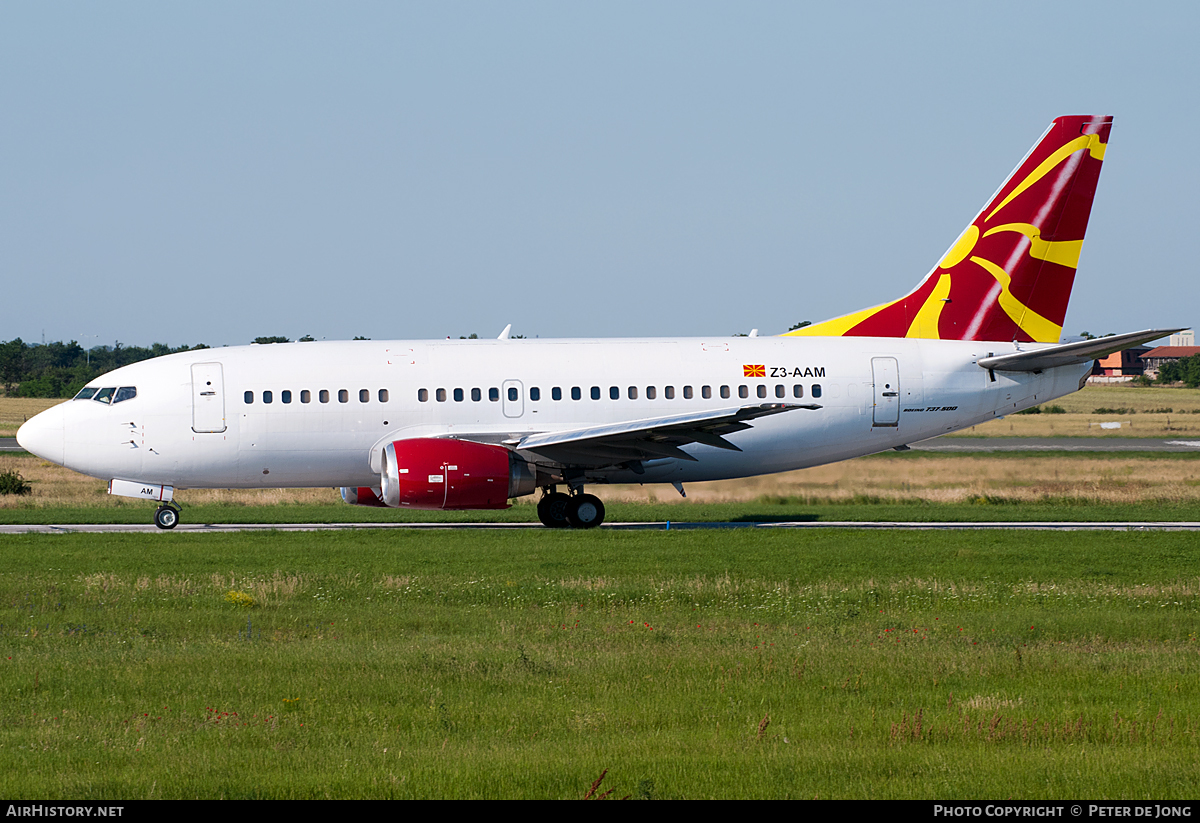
[523, 664]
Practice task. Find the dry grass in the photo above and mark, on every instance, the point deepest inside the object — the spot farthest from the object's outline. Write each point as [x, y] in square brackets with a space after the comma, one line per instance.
[1132, 397]
[1143, 415]
[954, 480]
[54, 486]
[1174, 425]
[16, 410]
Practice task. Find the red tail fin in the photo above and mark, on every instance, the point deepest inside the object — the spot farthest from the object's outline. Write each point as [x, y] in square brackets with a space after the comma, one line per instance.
[1009, 275]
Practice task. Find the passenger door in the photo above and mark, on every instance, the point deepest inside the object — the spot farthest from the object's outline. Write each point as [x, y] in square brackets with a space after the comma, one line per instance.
[208, 398]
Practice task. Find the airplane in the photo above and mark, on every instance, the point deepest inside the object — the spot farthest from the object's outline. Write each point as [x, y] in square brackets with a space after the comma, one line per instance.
[472, 424]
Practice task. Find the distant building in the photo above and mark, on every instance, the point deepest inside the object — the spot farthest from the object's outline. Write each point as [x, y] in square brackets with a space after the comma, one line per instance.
[1184, 338]
[1154, 359]
[1127, 363]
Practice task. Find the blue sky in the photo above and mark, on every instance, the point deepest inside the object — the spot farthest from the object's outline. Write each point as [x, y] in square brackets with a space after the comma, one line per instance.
[212, 172]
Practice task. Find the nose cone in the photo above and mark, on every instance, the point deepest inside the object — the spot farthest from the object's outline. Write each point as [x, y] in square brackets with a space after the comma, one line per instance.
[44, 435]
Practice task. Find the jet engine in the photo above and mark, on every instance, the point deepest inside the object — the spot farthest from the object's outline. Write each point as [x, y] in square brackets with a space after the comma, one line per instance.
[433, 473]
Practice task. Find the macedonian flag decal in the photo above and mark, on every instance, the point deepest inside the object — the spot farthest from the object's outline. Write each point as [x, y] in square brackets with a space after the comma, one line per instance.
[754, 371]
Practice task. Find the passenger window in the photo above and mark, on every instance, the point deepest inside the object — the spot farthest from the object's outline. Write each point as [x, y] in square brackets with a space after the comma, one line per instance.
[576, 393]
[687, 392]
[285, 396]
[458, 395]
[797, 390]
[706, 392]
[762, 390]
[423, 395]
[633, 392]
[383, 395]
[343, 396]
[268, 397]
[780, 391]
[670, 392]
[323, 395]
[535, 393]
[125, 393]
[743, 392]
[248, 397]
[725, 392]
[440, 394]
[595, 392]
[364, 395]
[85, 394]
[494, 395]
[614, 393]
[305, 396]
[556, 393]
[651, 393]
[816, 390]
[476, 395]
[512, 393]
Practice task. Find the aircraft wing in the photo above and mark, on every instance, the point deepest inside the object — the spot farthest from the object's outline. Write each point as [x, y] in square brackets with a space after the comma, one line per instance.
[648, 439]
[1070, 354]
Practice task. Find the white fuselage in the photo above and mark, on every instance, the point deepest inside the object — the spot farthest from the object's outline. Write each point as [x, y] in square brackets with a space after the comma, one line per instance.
[190, 424]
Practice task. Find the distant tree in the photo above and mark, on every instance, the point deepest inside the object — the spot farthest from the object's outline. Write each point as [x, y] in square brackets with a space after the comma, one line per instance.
[362, 338]
[1185, 370]
[265, 340]
[800, 325]
[48, 385]
[62, 369]
[471, 336]
[12, 362]
[308, 338]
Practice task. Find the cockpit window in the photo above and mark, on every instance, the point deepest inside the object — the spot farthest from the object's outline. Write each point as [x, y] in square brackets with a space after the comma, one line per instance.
[86, 393]
[104, 395]
[125, 393]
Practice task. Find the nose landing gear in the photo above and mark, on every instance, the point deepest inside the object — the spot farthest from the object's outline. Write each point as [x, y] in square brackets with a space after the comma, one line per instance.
[577, 511]
[166, 516]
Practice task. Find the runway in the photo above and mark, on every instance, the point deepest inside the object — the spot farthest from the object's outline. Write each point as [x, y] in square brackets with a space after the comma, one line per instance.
[1057, 444]
[211, 528]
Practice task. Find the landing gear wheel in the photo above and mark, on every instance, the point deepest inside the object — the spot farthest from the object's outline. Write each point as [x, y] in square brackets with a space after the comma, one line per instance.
[552, 510]
[585, 511]
[166, 517]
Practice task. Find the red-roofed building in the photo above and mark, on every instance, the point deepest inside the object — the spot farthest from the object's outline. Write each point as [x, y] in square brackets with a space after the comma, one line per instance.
[1153, 359]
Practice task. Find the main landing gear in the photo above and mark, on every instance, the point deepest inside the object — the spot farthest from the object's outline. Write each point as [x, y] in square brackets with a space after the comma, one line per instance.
[576, 511]
[166, 516]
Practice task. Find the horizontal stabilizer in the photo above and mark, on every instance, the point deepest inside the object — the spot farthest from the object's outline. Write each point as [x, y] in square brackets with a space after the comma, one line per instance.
[1071, 354]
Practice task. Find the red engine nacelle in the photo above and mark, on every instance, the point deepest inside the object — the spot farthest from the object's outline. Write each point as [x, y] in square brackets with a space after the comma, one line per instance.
[430, 473]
